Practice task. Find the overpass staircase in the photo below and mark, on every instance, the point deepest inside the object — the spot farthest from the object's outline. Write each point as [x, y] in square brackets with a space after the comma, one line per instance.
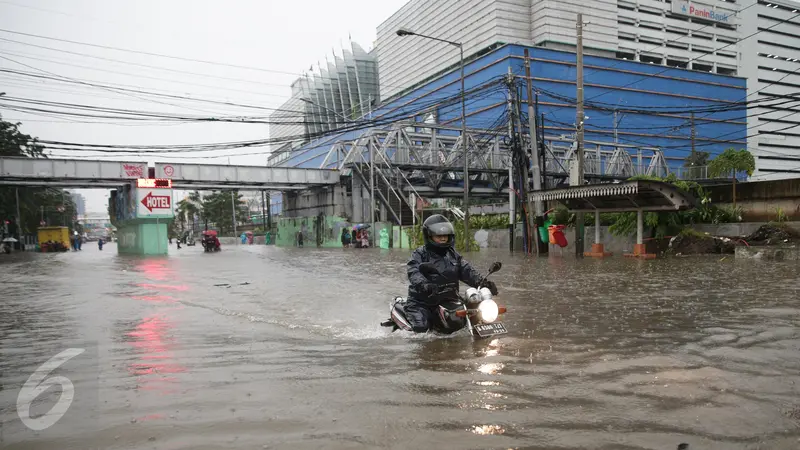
[390, 184]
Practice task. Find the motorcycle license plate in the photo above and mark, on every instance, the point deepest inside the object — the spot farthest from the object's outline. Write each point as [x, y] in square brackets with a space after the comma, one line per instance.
[490, 329]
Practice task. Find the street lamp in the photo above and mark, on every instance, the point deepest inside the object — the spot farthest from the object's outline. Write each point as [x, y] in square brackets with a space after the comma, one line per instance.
[406, 32]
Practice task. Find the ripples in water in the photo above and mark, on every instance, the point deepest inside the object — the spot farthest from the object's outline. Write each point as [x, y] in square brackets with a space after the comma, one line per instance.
[258, 346]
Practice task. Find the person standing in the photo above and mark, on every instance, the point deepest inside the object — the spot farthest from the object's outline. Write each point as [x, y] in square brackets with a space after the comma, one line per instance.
[345, 237]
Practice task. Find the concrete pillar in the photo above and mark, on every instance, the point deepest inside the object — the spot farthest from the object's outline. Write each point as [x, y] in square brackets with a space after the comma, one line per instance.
[357, 200]
[598, 250]
[640, 249]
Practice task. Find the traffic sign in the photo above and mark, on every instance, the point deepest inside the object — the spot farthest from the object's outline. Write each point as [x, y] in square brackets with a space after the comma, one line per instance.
[152, 202]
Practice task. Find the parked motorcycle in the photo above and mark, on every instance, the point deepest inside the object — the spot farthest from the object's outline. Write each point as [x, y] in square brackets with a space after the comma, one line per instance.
[476, 310]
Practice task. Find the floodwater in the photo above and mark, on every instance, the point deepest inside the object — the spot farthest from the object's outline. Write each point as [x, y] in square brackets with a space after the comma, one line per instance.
[262, 347]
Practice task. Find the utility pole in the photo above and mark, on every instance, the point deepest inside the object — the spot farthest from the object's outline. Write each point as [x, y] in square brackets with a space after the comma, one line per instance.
[579, 119]
[512, 213]
[467, 239]
[544, 161]
[693, 151]
[264, 212]
[19, 217]
[372, 192]
[233, 211]
[537, 219]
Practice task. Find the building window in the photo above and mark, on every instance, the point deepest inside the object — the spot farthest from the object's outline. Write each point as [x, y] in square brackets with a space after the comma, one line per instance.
[680, 45]
[650, 40]
[726, 40]
[681, 31]
[651, 12]
[650, 59]
[726, 71]
[677, 63]
[702, 67]
[630, 56]
[677, 17]
[627, 21]
[650, 25]
[627, 37]
[700, 35]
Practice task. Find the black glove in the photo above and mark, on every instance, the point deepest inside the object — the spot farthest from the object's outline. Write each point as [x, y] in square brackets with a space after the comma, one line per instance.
[492, 287]
[429, 289]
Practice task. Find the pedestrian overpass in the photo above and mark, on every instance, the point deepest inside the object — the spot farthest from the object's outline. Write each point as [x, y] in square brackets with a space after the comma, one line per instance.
[80, 173]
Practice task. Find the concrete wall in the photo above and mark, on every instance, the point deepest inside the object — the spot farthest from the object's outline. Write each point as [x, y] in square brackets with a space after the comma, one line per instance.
[615, 244]
[760, 199]
[328, 201]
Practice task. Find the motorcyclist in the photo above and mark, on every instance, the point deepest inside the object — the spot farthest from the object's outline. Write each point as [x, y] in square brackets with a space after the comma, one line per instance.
[425, 293]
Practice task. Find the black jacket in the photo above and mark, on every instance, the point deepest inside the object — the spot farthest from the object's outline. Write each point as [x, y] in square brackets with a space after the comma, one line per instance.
[453, 268]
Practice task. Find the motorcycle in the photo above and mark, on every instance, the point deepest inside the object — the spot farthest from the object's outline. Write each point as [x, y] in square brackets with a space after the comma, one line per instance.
[209, 241]
[476, 310]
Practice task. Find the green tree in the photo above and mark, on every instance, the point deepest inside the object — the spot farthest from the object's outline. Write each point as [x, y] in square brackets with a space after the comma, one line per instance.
[732, 162]
[189, 207]
[694, 162]
[54, 206]
[218, 208]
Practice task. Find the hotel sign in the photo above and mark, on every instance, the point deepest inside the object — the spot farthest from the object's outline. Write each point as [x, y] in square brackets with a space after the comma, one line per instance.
[703, 11]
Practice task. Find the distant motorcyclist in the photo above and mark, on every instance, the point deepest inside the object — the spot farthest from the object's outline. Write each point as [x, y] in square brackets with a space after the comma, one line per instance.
[425, 293]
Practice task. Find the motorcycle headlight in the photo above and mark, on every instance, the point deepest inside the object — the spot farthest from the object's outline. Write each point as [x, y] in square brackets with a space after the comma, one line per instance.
[488, 310]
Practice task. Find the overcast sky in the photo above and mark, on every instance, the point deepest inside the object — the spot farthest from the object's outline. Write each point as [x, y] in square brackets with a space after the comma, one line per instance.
[281, 38]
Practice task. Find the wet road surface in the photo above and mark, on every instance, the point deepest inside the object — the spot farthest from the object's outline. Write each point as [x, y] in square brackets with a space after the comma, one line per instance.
[264, 347]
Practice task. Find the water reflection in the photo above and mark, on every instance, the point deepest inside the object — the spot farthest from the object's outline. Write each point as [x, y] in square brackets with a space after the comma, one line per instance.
[488, 429]
[155, 366]
[600, 354]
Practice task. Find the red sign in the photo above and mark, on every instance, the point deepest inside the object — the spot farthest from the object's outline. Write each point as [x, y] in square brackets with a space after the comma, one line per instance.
[169, 170]
[152, 202]
[154, 183]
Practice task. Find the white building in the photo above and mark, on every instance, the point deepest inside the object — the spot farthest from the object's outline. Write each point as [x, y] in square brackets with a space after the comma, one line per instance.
[325, 100]
[700, 35]
[771, 63]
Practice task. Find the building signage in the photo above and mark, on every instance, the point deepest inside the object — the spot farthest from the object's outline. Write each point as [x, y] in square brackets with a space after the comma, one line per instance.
[703, 11]
[154, 183]
[154, 202]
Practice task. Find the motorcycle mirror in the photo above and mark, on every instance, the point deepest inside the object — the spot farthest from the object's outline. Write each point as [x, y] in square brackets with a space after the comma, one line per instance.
[428, 269]
[495, 267]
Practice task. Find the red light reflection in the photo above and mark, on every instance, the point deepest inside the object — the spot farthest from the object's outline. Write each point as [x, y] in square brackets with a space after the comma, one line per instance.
[154, 346]
[155, 269]
[154, 298]
[180, 287]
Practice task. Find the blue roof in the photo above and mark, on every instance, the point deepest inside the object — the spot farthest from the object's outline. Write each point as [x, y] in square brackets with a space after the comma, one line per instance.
[608, 84]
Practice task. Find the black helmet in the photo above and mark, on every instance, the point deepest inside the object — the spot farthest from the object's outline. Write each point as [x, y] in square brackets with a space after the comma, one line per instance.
[438, 225]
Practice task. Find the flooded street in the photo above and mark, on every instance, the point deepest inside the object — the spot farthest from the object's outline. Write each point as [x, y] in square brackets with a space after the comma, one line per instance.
[262, 347]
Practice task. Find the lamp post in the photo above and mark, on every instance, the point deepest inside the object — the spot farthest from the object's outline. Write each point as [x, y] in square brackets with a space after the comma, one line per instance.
[406, 32]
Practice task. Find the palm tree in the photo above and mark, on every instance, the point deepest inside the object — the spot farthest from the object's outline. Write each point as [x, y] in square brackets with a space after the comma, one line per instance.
[732, 162]
[190, 206]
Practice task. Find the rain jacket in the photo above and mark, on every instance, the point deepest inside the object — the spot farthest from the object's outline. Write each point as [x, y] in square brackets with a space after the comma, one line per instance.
[452, 267]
